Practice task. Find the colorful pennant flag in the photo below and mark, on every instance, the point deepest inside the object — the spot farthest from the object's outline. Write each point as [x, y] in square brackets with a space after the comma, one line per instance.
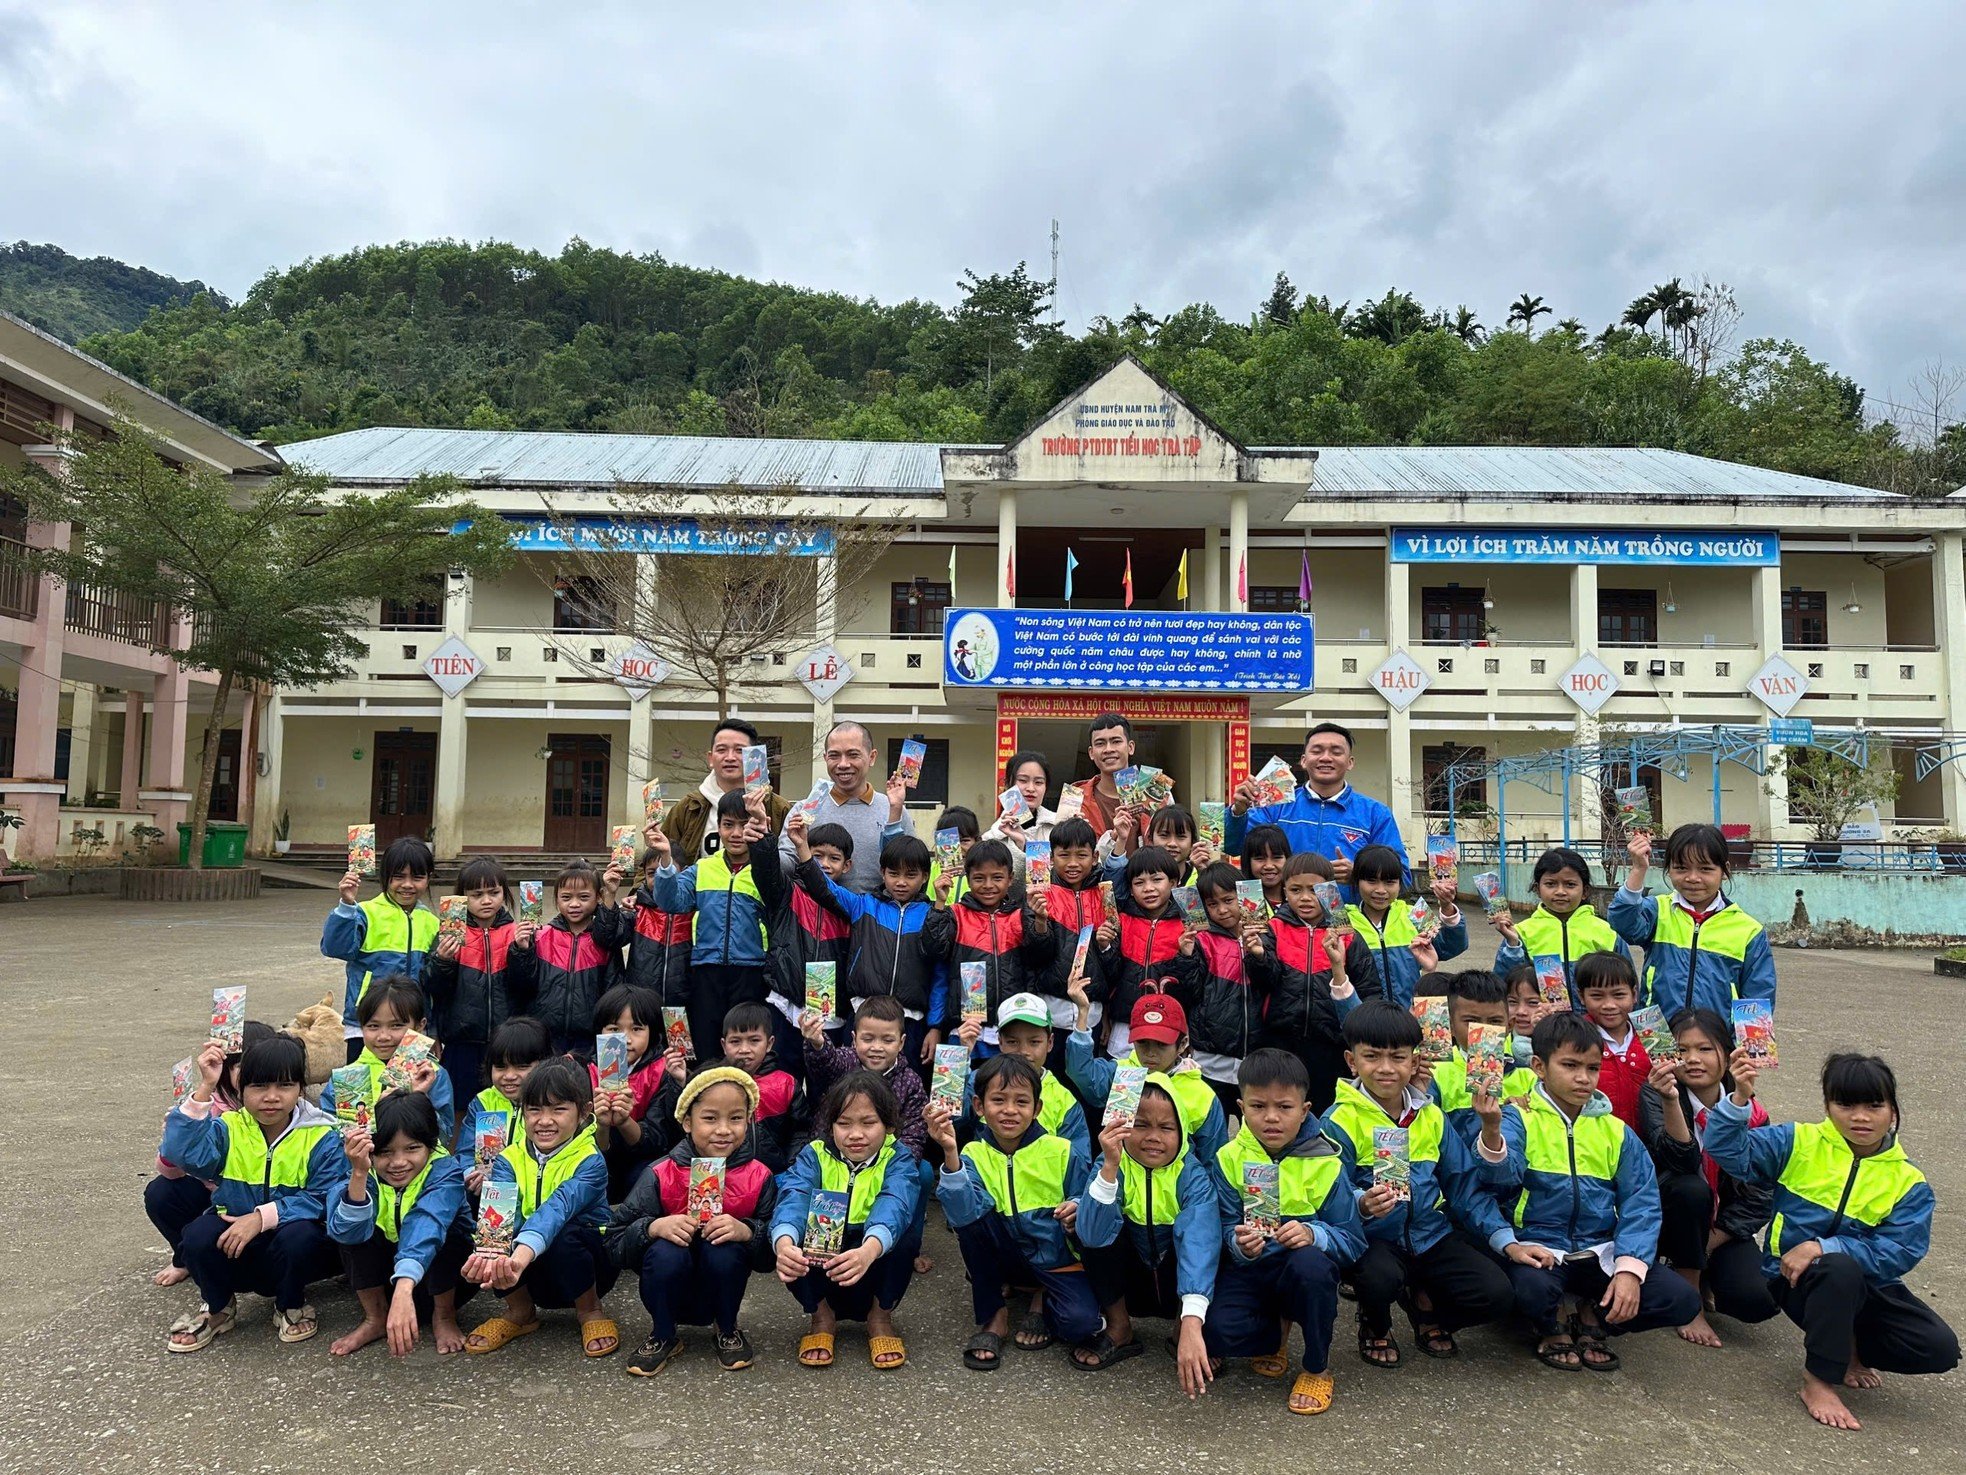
[1181, 579]
[1126, 580]
[1071, 562]
[1242, 581]
[1304, 580]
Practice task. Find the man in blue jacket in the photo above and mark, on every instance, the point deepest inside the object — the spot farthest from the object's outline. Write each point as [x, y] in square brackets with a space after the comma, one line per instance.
[1326, 815]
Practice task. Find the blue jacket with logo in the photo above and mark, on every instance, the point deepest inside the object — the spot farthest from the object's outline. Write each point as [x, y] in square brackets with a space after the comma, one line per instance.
[441, 1207]
[200, 1139]
[1601, 1188]
[1187, 1228]
[1335, 1226]
[1336, 828]
[730, 919]
[375, 939]
[1707, 964]
[967, 1195]
[1443, 1182]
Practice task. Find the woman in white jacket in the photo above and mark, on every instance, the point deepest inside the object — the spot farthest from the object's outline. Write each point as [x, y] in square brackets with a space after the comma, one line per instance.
[1030, 775]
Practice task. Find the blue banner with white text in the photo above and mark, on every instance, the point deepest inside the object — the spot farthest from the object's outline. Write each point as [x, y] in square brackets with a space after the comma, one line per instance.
[1585, 545]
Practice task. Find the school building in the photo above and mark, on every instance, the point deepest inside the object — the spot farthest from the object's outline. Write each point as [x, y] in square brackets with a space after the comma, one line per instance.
[93, 721]
[1450, 605]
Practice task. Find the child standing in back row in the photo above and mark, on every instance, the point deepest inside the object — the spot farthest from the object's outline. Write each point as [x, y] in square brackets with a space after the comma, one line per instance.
[1386, 925]
[478, 981]
[576, 956]
[727, 958]
[390, 933]
[1701, 951]
[1563, 924]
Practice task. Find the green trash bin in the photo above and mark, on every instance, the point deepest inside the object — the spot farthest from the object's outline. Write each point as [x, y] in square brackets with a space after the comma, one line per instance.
[225, 845]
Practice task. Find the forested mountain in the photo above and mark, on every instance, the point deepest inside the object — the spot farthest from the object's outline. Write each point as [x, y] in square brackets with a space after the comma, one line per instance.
[73, 298]
[444, 333]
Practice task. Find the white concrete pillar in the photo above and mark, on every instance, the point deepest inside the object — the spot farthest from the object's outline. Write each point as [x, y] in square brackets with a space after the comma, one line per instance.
[827, 617]
[81, 741]
[1583, 607]
[1006, 549]
[1765, 595]
[1211, 571]
[1399, 605]
[166, 797]
[269, 743]
[448, 821]
[1238, 550]
[36, 792]
[1949, 629]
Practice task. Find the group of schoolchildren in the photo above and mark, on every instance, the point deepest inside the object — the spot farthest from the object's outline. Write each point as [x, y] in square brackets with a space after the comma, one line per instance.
[1597, 1193]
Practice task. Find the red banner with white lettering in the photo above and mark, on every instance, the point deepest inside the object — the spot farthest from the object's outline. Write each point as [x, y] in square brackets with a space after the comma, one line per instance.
[1238, 755]
[1006, 746]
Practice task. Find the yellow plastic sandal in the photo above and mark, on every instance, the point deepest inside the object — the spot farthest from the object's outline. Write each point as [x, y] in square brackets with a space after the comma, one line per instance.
[489, 1336]
[816, 1350]
[1311, 1393]
[892, 1348]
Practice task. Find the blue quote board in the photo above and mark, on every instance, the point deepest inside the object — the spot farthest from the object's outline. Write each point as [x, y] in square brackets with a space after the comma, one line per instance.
[1791, 732]
[1586, 545]
[1153, 650]
[666, 535]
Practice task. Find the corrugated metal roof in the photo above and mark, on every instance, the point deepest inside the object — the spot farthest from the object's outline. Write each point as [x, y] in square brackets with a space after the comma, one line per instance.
[573, 458]
[1544, 471]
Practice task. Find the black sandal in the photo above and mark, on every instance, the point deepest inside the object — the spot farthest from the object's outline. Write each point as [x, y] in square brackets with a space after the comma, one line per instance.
[1105, 1353]
[1591, 1344]
[1431, 1338]
[979, 1344]
[1369, 1344]
[1033, 1326]
[1550, 1352]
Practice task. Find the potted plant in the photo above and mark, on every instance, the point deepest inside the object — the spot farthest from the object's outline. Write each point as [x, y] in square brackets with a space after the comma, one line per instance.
[281, 844]
[1951, 963]
[1826, 791]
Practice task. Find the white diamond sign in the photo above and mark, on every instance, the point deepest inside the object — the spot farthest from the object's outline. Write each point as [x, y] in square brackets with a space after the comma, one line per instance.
[1590, 683]
[1400, 680]
[453, 666]
[823, 672]
[1778, 686]
[638, 670]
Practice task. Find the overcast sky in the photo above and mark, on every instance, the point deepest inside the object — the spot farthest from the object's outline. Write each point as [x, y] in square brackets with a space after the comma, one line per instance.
[1812, 155]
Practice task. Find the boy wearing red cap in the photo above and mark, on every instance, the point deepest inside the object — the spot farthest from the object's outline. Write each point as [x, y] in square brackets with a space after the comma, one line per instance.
[1158, 1036]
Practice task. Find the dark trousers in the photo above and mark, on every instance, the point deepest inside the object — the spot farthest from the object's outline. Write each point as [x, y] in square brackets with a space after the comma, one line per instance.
[370, 1264]
[1686, 1214]
[279, 1263]
[573, 1265]
[172, 1203]
[788, 1045]
[1120, 1273]
[1252, 1301]
[1663, 1298]
[465, 1065]
[1737, 1283]
[913, 1032]
[1887, 1326]
[355, 1047]
[884, 1284]
[714, 988]
[698, 1284]
[1464, 1285]
[993, 1260]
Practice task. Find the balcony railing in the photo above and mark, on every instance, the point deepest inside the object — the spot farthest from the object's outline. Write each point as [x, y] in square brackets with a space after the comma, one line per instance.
[95, 610]
[20, 586]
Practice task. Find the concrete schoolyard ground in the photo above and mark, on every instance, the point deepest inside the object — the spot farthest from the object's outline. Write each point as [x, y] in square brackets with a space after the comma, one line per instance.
[102, 997]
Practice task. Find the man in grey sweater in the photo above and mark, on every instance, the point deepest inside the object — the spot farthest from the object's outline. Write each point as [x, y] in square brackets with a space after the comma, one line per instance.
[853, 803]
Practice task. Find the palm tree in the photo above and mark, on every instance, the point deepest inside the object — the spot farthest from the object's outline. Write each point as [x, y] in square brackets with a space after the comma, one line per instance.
[1640, 314]
[1668, 298]
[1465, 326]
[1572, 325]
[1525, 310]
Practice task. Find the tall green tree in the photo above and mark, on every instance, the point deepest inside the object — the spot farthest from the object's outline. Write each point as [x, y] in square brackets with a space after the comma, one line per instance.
[1526, 309]
[1000, 316]
[274, 575]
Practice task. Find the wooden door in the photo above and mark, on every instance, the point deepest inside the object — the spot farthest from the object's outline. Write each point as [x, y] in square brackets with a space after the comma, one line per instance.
[403, 797]
[225, 777]
[577, 794]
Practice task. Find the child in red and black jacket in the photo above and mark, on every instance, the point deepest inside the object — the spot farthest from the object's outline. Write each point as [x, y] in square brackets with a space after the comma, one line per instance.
[694, 1264]
[781, 1123]
[1607, 987]
[577, 956]
[1314, 974]
[1075, 901]
[1224, 1004]
[478, 981]
[803, 925]
[658, 947]
[1139, 950]
[995, 925]
[622, 1129]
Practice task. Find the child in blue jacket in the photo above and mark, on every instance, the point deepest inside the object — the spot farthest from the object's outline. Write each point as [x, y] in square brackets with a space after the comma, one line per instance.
[1586, 1208]
[390, 1009]
[1386, 925]
[1701, 951]
[856, 1150]
[727, 964]
[1148, 1222]
[1285, 1272]
[275, 1158]
[1001, 1195]
[1853, 1217]
[403, 1222]
[556, 1259]
[390, 933]
[1415, 1250]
